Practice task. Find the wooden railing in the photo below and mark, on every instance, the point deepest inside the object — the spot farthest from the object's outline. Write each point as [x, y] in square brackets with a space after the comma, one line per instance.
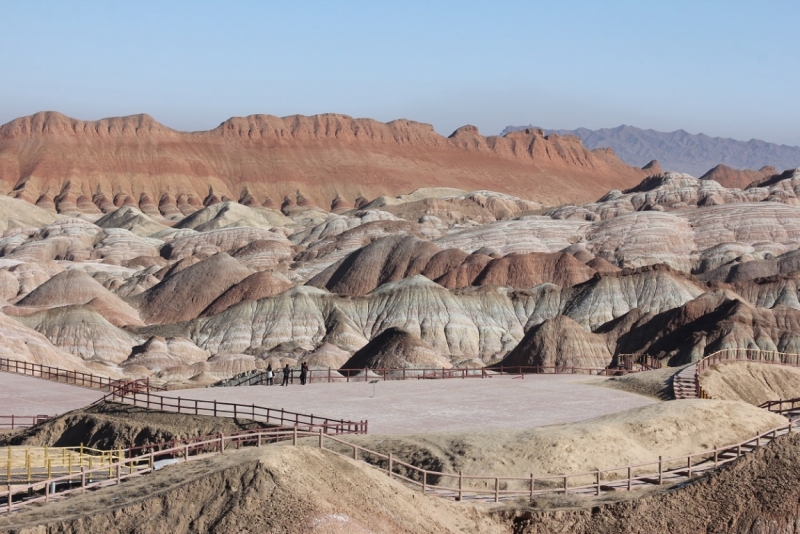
[459, 485]
[330, 375]
[21, 421]
[128, 466]
[134, 393]
[782, 406]
[752, 355]
[56, 374]
[591, 482]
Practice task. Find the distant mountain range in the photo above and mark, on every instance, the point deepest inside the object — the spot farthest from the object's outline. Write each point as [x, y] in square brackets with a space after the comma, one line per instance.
[682, 151]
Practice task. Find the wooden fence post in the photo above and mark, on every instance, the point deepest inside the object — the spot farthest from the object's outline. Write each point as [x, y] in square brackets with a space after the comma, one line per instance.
[460, 484]
[660, 471]
[597, 482]
[629, 477]
[294, 436]
[391, 461]
[533, 483]
[424, 481]
[496, 489]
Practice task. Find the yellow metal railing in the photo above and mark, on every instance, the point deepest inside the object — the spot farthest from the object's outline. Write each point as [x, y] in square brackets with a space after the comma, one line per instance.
[27, 464]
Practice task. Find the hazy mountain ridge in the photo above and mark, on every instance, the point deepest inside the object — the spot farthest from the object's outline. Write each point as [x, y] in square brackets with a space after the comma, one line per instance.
[682, 151]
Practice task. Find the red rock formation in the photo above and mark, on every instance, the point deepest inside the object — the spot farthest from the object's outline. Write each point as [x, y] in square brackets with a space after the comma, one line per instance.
[183, 295]
[254, 287]
[385, 260]
[527, 270]
[271, 156]
[739, 178]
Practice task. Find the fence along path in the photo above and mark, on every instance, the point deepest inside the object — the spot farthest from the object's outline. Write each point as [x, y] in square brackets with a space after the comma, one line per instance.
[738, 355]
[330, 375]
[57, 374]
[447, 485]
[21, 421]
[137, 393]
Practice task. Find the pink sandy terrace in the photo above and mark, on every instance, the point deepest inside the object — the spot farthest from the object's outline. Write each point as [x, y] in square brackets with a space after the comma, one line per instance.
[398, 407]
[25, 395]
[454, 405]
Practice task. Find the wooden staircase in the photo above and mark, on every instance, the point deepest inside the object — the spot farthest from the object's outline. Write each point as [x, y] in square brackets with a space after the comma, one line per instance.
[684, 383]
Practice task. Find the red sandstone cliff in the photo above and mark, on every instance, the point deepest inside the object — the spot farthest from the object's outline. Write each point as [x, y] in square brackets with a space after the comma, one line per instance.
[135, 160]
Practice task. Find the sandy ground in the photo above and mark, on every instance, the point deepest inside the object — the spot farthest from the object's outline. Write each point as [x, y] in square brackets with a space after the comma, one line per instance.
[751, 382]
[656, 383]
[413, 406]
[286, 489]
[25, 395]
[634, 436]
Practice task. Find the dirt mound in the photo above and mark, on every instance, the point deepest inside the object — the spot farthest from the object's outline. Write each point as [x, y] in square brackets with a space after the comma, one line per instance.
[185, 294]
[757, 494]
[301, 489]
[633, 436]
[522, 271]
[75, 287]
[28, 345]
[260, 254]
[388, 259]
[395, 348]
[656, 383]
[751, 382]
[560, 342]
[254, 287]
[327, 355]
[280, 489]
[81, 331]
[110, 425]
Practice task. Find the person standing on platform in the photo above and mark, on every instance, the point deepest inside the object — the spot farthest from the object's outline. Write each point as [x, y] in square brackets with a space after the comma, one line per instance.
[303, 373]
[287, 373]
[270, 376]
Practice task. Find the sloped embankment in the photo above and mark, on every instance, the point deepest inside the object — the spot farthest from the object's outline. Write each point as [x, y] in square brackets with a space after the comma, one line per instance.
[751, 382]
[759, 494]
[110, 426]
[276, 489]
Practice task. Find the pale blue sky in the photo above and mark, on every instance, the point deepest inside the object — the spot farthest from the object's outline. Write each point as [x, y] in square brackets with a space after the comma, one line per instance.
[728, 68]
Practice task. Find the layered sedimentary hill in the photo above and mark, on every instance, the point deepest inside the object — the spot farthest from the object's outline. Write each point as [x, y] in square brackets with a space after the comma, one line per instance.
[396, 348]
[673, 267]
[331, 161]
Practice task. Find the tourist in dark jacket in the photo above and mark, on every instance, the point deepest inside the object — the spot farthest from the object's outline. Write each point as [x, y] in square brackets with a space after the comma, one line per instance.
[303, 373]
[287, 373]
